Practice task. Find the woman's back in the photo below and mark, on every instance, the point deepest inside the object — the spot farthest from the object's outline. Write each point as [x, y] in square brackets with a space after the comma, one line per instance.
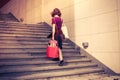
[58, 21]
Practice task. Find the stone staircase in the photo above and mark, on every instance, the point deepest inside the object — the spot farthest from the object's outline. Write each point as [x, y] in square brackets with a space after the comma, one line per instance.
[23, 54]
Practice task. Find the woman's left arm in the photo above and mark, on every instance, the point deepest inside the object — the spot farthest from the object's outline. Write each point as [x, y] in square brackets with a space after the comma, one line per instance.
[53, 31]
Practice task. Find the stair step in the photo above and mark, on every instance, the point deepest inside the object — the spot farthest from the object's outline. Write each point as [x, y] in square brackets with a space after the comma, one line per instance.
[37, 44]
[2, 22]
[24, 39]
[28, 33]
[28, 68]
[10, 38]
[30, 50]
[38, 53]
[22, 46]
[23, 26]
[26, 30]
[25, 35]
[41, 75]
[38, 61]
[18, 39]
[32, 55]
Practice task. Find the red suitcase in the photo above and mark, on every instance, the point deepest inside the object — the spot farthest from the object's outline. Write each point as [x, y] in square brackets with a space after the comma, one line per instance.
[52, 49]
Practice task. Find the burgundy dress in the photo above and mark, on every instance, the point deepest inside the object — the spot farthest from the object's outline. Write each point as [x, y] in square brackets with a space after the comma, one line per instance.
[58, 22]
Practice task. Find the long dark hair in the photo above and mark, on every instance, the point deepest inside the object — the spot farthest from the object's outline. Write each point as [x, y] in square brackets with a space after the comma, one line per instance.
[56, 11]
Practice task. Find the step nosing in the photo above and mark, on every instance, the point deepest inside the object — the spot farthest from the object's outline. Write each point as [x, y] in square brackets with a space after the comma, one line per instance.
[48, 74]
[19, 70]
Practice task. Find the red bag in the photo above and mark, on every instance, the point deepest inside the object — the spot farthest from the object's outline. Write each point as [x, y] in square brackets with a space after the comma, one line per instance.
[52, 49]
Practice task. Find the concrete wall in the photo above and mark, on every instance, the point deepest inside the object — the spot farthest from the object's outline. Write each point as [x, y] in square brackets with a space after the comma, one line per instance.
[29, 10]
[119, 28]
[94, 21]
[98, 24]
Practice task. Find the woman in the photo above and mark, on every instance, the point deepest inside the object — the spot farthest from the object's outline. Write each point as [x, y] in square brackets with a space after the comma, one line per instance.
[56, 31]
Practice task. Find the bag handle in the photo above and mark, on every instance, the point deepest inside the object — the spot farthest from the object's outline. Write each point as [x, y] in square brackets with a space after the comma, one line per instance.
[53, 43]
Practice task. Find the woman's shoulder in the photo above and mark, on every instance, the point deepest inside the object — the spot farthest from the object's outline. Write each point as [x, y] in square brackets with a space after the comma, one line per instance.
[54, 19]
[58, 18]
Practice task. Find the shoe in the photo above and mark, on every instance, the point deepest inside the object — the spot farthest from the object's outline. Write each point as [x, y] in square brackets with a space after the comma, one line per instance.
[61, 63]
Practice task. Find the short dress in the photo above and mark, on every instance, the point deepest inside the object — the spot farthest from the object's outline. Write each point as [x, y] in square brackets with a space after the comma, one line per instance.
[58, 22]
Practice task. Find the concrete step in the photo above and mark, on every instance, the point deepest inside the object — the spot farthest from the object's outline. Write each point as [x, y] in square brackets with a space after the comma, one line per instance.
[32, 34]
[29, 68]
[23, 35]
[19, 42]
[31, 50]
[38, 61]
[21, 32]
[33, 55]
[14, 39]
[6, 30]
[17, 23]
[43, 57]
[21, 46]
[25, 29]
[23, 26]
[28, 46]
[13, 23]
[2, 22]
[41, 60]
[10, 22]
[52, 73]
[22, 38]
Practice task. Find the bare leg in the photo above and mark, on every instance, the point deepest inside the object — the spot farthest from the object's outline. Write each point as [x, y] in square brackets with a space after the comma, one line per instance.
[61, 63]
[60, 55]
